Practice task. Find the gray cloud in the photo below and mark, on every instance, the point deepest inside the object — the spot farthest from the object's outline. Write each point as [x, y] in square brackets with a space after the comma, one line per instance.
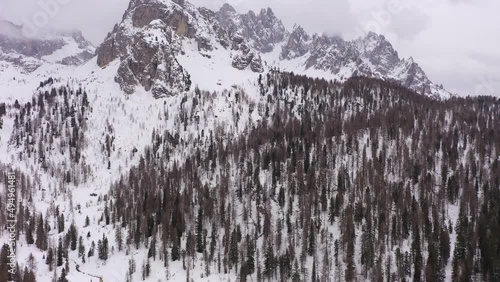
[487, 59]
[93, 17]
[409, 24]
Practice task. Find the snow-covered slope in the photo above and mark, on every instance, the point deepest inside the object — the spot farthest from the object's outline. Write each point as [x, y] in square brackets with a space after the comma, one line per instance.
[117, 134]
[176, 79]
[26, 61]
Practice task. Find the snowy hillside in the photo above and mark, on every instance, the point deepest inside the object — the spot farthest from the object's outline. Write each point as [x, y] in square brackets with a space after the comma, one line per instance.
[213, 146]
[159, 29]
[24, 61]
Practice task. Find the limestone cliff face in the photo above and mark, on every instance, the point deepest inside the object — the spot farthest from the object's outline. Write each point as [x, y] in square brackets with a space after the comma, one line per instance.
[150, 37]
[146, 43]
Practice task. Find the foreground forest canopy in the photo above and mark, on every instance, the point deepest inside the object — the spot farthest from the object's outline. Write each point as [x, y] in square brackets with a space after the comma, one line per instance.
[360, 181]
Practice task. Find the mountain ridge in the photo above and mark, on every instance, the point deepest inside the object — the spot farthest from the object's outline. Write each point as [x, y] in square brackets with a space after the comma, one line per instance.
[252, 41]
[246, 38]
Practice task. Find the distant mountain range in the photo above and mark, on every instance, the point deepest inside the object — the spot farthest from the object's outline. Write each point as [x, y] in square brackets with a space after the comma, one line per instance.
[66, 48]
[154, 34]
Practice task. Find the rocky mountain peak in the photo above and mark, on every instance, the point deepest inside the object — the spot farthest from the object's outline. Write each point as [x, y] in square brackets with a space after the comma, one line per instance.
[297, 44]
[159, 29]
[263, 30]
[227, 9]
[372, 55]
[269, 13]
[154, 29]
[379, 52]
[373, 42]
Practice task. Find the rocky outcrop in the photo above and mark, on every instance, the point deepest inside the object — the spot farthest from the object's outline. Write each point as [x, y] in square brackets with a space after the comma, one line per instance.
[78, 59]
[111, 48]
[150, 64]
[263, 30]
[245, 56]
[297, 44]
[252, 59]
[144, 14]
[379, 52]
[256, 65]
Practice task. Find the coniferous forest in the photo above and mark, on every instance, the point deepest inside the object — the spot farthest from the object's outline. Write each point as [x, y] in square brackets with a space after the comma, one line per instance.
[357, 181]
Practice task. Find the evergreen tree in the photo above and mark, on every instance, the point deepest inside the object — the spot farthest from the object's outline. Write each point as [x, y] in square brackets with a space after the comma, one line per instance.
[63, 276]
[233, 248]
[417, 256]
[29, 275]
[460, 255]
[119, 237]
[73, 235]
[200, 248]
[311, 247]
[367, 250]
[102, 248]
[331, 211]
[296, 272]
[29, 234]
[444, 247]
[91, 250]
[60, 223]
[41, 236]
[106, 214]
[50, 258]
[314, 275]
[248, 266]
[99, 249]
[433, 268]
[152, 248]
[81, 247]
[269, 262]
[176, 242]
[60, 253]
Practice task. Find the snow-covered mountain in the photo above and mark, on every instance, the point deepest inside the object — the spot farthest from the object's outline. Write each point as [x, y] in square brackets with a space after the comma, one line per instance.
[29, 53]
[371, 56]
[154, 33]
[161, 30]
[25, 61]
[180, 147]
[163, 44]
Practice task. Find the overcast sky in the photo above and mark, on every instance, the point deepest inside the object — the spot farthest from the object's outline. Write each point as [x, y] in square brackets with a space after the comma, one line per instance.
[456, 42]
